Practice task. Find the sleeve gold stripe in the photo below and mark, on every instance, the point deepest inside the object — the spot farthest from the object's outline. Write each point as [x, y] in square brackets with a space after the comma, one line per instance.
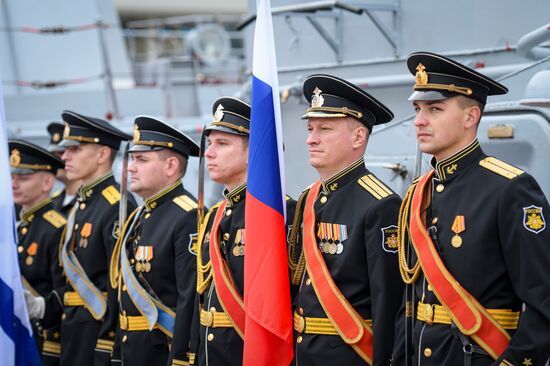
[54, 218]
[382, 185]
[191, 356]
[111, 194]
[500, 167]
[179, 363]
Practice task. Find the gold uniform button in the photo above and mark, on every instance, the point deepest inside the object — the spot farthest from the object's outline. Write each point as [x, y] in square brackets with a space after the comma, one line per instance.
[210, 337]
[323, 199]
[228, 212]
[124, 288]
[75, 227]
[299, 339]
[24, 230]
[124, 338]
[63, 316]
[147, 215]
[427, 352]
[20, 249]
[440, 188]
[430, 288]
[308, 282]
[226, 236]
[434, 221]
[212, 309]
[132, 261]
[301, 311]
[82, 206]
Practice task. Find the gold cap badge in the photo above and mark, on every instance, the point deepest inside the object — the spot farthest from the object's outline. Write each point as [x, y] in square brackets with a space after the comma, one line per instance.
[66, 130]
[421, 75]
[317, 99]
[136, 134]
[219, 113]
[15, 157]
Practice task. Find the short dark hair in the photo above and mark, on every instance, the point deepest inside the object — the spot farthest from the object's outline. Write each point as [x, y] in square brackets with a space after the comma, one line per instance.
[465, 102]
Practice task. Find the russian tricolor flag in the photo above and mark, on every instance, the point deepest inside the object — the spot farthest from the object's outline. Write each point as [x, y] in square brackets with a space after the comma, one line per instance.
[268, 331]
[17, 346]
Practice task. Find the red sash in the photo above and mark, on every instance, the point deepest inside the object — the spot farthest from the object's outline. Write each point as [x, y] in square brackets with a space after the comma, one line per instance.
[466, 312]
[228, 295]
[349, 324]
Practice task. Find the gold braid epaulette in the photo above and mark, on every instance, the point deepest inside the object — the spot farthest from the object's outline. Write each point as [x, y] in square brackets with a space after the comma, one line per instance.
[296, 262]
[114, 269]
[409, 275]
[202, 269]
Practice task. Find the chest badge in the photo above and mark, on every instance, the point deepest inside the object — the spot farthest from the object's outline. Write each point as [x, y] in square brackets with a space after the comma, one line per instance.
[85, 233]
[533, 219]
[459, 226]
[238, 249]
[389, 238]
[31, 251]
[144, 256]
[331, 237]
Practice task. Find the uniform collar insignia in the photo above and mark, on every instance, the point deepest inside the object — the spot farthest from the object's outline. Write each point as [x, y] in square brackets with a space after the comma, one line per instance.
[87, 191]
[160, 197]
[451, 166]
[29, 215]
[235, 196]
[339, 179]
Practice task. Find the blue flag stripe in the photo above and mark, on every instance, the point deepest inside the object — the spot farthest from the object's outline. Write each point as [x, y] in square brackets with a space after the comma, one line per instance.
[263, 159]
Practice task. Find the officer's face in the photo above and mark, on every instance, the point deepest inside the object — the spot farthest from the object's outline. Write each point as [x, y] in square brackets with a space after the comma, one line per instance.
[442, 127]
[227, 156]
[81, 161]
[30, 189]
[148, 172]
[331, 144]
[61, 173]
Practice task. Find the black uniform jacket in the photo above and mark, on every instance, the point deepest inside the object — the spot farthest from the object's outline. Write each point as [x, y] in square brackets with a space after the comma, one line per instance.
[224, 346]
[161, 251]
[363, 265]
[39, 233]
[93, 236]
[503, 259]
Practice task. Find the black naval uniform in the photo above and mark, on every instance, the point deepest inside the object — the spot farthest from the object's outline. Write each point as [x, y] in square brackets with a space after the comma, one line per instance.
[364, 268]
[502, 259]
[94, 234]
[39, 233]
[167, 225]
[222, 345]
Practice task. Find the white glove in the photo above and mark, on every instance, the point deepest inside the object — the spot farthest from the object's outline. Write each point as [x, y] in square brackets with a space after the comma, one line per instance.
[36, 305]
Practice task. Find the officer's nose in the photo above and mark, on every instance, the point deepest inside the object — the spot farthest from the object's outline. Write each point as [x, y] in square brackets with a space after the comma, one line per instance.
[209, 153]
[420, 119]
[312, 138]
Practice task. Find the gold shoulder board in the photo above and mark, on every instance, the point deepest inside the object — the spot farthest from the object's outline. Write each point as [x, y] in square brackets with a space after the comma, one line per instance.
[185, 202]
[376, 188]
[501, 168]
[54, 218]
[111, 194]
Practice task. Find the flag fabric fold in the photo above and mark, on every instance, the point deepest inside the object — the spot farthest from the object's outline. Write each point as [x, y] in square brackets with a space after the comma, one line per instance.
[17, 346]
[268, 330]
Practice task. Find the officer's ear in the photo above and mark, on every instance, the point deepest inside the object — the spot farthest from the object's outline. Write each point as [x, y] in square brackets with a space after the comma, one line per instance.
[48, 181]
[360, 135]
[104, 155]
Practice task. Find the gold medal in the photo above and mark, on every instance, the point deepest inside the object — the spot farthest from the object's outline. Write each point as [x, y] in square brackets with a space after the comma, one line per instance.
[147, 267]
[29, 260]
[236, 251]
[138, 267]
[332, 248]
[241, 250]
[456, 241]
